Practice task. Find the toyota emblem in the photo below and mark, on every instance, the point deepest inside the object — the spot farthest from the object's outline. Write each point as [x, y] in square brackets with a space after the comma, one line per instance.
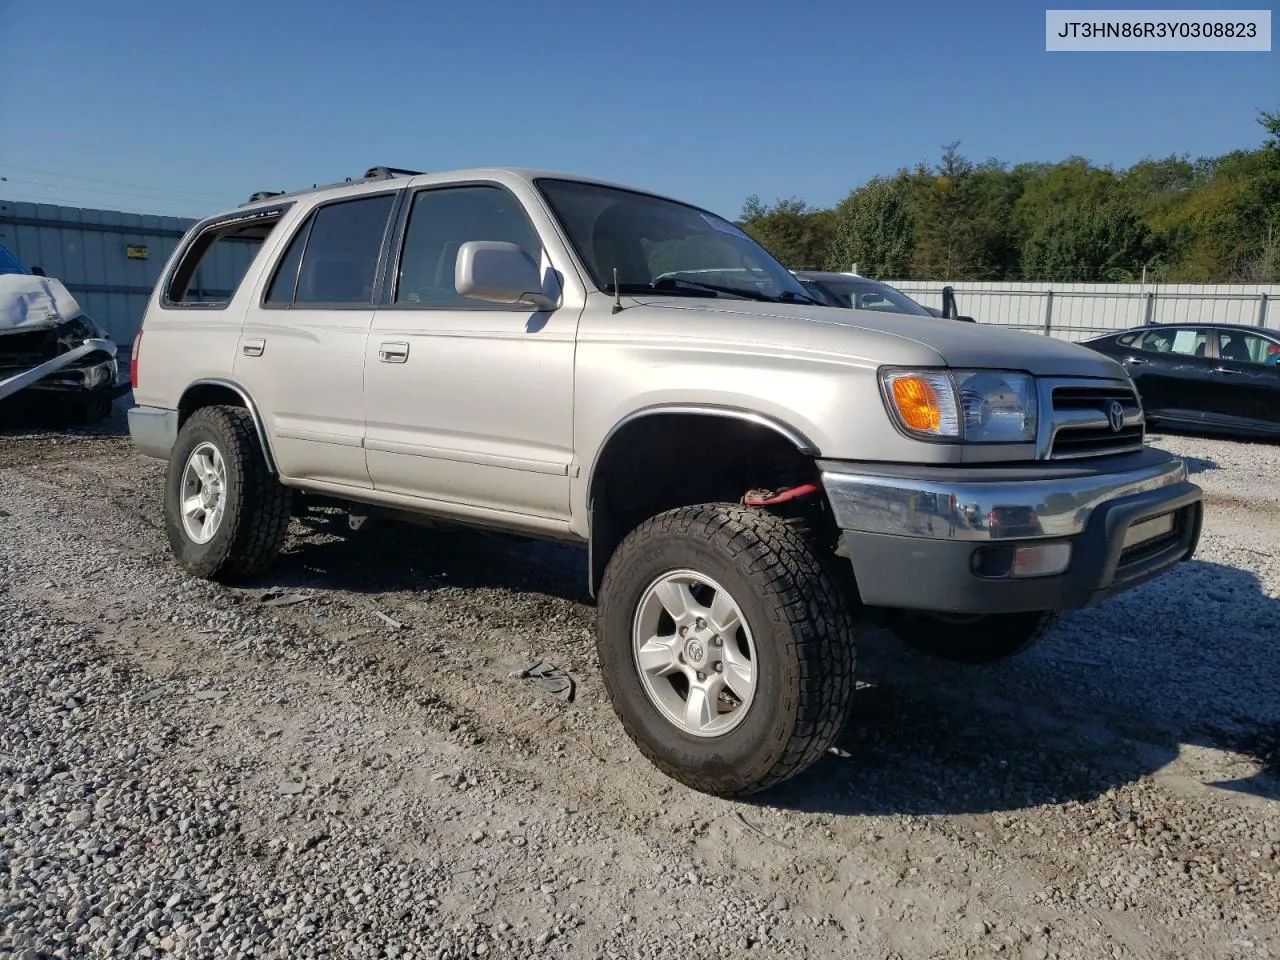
[1115, 416]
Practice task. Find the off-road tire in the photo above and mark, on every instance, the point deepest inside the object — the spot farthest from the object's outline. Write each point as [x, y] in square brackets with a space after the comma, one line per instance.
[256, 516]
[802, 629]
[986, 639]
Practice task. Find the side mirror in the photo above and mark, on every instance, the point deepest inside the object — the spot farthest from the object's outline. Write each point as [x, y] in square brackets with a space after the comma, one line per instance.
[948, 302]
[967, 319]
[499, 272]
[38, 272]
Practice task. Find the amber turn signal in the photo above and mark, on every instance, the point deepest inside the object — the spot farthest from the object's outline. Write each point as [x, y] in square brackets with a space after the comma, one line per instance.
[917, 403]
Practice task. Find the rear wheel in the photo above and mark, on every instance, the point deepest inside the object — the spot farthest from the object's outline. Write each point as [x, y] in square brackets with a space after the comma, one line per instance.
[225, 514]
[726, 648]
[974, 638]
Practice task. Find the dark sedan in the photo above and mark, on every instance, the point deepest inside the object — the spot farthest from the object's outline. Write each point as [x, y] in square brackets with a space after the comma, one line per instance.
[863, 293]
[1217, 378]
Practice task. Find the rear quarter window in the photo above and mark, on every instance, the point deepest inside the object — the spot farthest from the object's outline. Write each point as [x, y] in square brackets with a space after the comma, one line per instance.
[213, 266]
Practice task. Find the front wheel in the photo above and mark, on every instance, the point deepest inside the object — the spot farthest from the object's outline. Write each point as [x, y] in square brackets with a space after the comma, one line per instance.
[726, 648]
[973, 639]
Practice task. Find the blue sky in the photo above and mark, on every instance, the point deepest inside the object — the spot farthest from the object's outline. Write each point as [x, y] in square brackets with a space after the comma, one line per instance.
[181, 108]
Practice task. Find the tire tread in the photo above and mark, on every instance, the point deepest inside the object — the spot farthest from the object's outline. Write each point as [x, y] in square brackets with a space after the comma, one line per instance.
[816, 616]
[261, 521]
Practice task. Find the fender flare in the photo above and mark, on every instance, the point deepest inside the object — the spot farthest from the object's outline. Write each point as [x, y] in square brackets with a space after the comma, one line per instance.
[252, 407]
[803, 445]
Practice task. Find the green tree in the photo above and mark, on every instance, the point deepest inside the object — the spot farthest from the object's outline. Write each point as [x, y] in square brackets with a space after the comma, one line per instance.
[962, 219]
[797, 235]
[1088, 243]
[874, 228]
[1207, 220]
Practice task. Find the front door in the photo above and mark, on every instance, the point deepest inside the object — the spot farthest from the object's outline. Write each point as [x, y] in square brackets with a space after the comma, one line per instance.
[468, 404]
[1171, 369]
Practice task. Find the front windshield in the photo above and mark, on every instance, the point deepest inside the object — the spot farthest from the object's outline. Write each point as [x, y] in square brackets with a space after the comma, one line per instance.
[661, 245]
[866, 295]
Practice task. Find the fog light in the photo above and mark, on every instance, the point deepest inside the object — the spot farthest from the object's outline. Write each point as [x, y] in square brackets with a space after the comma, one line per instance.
[1041, 559]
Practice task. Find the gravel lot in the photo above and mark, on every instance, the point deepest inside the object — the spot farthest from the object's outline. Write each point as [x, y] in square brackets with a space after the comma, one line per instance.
[189, 770]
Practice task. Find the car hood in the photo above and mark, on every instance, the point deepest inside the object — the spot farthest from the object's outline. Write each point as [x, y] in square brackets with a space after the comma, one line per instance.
[876, 335]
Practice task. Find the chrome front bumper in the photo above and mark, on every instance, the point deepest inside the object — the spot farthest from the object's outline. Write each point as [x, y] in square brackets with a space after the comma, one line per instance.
[1004, 507]
[929, 537]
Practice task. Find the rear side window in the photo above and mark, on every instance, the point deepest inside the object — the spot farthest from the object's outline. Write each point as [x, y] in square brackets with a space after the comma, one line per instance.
[339, 252]
[214, 265]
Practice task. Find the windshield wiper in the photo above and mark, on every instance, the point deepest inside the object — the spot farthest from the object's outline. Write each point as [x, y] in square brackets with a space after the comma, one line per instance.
[650, 288]
[679, 286]
[788, 297]
[713, 287]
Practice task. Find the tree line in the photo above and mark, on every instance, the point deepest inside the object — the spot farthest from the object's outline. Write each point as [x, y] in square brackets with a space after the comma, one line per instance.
[1174, 220]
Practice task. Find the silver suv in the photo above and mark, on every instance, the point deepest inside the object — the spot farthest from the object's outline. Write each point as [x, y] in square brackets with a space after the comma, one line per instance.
[755, 477]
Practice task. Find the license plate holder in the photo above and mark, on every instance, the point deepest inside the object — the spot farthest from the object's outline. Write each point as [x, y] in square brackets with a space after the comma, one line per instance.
[1147, 530]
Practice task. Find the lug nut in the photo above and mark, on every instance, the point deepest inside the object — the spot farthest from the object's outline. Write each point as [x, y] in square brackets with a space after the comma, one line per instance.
[719, 667]
[716, 641]
[684, 631]
[701, 624]
[701, 675]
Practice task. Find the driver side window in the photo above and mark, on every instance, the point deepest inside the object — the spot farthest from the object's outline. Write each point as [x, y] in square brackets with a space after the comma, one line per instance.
[440, 222]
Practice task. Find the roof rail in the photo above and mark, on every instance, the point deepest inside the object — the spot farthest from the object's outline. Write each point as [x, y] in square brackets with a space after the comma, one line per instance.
[373, 173]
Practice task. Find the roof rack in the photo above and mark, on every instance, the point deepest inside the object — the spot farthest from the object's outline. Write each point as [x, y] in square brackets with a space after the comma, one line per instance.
[382, 173]
[373, 173]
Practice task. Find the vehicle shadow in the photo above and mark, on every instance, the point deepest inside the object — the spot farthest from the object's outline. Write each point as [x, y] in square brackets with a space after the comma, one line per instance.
[1209, 433]
[23, 416]
[1112, 695]
[1199, 464]
[387, 557]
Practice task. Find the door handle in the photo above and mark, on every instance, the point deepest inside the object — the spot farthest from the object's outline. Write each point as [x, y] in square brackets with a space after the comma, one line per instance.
[1135, 361]
[395, 352]
[1225, 372]
[253, 348]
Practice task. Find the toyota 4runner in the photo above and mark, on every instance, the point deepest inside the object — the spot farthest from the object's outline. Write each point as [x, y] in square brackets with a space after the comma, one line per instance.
[754, 476]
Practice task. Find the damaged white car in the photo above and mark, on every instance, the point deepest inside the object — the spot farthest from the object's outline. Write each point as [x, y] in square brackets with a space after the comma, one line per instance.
[53, 357]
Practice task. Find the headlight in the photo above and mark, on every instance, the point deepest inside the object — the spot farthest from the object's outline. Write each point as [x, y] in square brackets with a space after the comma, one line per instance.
[973, 406]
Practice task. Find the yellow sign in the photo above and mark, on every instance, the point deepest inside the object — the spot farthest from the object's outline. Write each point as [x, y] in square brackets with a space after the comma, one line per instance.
[136, 253]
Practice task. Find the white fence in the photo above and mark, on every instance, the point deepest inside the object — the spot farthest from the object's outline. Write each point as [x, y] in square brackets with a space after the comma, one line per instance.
[1077, 311]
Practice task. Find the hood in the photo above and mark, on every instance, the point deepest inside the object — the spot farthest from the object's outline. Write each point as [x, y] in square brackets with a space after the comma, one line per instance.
[29, 302]
[876, 336]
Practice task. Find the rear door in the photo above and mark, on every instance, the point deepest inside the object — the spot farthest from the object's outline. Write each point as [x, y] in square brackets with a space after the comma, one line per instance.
[301, 353]
[1246, 380]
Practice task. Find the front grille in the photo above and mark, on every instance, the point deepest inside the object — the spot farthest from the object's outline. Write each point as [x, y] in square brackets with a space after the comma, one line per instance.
[1082, 426]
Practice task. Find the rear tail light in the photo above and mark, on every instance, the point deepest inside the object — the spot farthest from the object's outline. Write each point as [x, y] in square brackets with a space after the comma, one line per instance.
[133, 360]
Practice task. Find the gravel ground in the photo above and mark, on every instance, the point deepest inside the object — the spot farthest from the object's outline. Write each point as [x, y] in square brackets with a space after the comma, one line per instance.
[188, 770]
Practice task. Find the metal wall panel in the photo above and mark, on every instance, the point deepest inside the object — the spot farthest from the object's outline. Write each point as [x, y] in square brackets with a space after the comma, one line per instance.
[1077, 311]
[87, 249]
